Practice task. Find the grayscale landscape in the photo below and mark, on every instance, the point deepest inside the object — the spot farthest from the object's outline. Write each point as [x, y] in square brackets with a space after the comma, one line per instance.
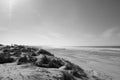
[103, 60]
[59, 39]
[20, 62]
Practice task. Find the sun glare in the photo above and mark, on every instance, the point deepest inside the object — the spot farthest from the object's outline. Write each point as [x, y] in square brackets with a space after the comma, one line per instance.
[11, 4]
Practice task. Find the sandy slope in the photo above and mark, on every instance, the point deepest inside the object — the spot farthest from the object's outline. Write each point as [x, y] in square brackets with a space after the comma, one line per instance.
[26, 72]
[104, 61]
[18, 62]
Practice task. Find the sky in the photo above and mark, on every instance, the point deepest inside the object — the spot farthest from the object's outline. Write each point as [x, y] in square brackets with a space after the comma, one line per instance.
[60, 22]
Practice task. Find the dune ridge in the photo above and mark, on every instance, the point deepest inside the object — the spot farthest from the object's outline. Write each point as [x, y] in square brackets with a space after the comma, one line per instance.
[19, 62]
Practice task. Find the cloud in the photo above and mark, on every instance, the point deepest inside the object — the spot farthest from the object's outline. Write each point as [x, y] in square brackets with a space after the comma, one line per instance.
[55, 35]
[89, 36]
[118, 35]
[3, 29]
[53, 39]
[109, 33]
[107, 37]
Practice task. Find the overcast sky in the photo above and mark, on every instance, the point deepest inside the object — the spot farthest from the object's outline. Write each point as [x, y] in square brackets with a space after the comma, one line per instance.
[60, 22]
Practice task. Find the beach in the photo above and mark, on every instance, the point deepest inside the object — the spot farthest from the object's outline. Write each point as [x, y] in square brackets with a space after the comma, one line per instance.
[103, 60]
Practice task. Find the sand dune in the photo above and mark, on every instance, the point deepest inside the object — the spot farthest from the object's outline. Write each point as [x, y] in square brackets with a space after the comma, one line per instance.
[18, 62]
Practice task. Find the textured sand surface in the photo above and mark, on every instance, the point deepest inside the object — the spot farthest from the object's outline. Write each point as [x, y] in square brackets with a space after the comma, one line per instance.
[105, 61]
[19, 62]
[17, 72]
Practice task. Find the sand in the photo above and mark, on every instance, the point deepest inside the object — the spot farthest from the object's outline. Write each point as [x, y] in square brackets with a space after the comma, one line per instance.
[105, 61]
[94, 63]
